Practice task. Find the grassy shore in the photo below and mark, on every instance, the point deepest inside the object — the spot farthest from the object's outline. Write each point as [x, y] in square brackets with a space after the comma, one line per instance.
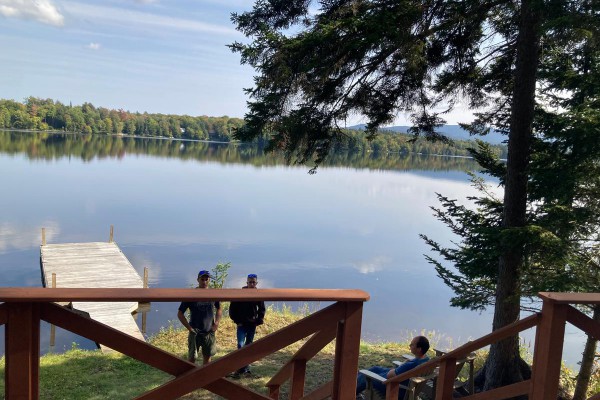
[85, 374]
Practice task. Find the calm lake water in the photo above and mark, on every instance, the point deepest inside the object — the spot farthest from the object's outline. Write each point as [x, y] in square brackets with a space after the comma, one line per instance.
[181, 206]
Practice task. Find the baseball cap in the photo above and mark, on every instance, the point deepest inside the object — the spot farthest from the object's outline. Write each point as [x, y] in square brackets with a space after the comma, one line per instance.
[204, 272]
[250, 276]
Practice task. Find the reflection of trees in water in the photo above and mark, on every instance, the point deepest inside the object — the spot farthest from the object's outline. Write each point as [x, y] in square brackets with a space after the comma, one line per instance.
[50, 146]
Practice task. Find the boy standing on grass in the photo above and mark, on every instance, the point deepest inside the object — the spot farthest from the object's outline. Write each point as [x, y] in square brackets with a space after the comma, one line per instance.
[203, 323]
[247, 315]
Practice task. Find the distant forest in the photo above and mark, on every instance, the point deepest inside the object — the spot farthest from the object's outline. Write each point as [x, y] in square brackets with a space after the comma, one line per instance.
[47, 115]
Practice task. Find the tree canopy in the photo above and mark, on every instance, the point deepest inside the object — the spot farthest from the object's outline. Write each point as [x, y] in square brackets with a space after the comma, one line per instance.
[527, 66]
[372, 58]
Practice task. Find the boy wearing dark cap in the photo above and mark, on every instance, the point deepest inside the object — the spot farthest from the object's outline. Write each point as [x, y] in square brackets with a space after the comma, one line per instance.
[247, 315]
[203, 323]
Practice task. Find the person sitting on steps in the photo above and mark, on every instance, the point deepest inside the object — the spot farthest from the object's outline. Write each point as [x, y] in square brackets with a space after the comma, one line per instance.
[418, 347]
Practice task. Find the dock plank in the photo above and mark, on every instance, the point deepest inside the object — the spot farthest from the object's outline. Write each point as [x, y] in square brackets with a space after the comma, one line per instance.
[94, 265]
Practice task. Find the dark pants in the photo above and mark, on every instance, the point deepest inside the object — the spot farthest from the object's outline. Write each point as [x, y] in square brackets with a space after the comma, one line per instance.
[205, 342]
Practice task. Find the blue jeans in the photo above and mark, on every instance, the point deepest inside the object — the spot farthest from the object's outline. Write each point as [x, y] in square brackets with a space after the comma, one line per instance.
[361, 381]
[245, 336]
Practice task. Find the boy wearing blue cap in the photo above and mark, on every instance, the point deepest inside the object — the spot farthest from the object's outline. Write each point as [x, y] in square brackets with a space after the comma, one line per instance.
[247, 315]
[203, 323]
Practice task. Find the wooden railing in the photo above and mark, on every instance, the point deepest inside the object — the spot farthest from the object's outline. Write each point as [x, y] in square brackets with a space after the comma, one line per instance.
[550, 329]
[24, 308]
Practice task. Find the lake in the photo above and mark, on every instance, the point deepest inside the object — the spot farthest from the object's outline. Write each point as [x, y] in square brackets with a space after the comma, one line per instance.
[181, 206]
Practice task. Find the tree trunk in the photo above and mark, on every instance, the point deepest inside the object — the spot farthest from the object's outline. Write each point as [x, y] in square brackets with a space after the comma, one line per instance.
[503, 365]
[587, 363]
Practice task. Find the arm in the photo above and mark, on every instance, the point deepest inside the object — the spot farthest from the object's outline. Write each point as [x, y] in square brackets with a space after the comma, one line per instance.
[402, 368]
[261, 312]
[233, 312]
[218, 316]
[184, 321]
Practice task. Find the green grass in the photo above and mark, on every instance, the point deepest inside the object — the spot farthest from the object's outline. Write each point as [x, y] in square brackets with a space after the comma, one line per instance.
[81, 374]
[90, 374]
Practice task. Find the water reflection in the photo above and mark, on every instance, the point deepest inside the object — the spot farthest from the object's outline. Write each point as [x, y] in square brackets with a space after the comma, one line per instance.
[14, 236]
[52, 146]
[181, 206]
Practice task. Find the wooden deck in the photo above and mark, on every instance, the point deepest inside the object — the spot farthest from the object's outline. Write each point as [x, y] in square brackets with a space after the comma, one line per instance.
[94, 265]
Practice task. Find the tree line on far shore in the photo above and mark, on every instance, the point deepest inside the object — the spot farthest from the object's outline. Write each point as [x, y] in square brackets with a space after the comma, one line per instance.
[46, 114]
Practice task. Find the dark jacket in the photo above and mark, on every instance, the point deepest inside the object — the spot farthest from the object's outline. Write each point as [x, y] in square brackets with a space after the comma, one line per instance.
[248, 313]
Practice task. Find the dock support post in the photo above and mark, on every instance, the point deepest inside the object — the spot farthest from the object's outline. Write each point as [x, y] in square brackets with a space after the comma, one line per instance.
[43, 236]
[110, 237]
[144, 313]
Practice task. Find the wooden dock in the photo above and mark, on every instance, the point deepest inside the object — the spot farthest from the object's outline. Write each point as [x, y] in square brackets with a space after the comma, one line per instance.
[94, 265]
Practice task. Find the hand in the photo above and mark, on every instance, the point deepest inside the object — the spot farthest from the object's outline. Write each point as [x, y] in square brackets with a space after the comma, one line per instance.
[215, 326]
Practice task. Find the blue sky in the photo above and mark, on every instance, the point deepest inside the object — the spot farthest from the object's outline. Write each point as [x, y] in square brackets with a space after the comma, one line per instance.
[167, 56]
[159, 56]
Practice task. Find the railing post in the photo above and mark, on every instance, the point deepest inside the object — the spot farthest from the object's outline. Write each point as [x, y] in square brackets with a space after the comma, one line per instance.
[347, 344]
[298, 378]
[445, 380]
[391, 391]
[274, 391]
[22, 347]
[548, 349]
[110, 236]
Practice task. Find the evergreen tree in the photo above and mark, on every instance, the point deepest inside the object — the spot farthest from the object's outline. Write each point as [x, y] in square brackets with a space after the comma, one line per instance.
[318, 66]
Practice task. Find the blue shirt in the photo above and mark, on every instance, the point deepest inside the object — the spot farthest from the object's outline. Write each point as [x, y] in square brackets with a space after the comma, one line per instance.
[361, 380]
[407, 366]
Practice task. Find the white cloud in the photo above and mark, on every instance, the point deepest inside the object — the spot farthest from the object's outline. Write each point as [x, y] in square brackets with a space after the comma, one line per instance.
[93, 46]
[373, 265]
[16, 237]
[38, 10]
[139, 261]
[146, 1]
[125, 17]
